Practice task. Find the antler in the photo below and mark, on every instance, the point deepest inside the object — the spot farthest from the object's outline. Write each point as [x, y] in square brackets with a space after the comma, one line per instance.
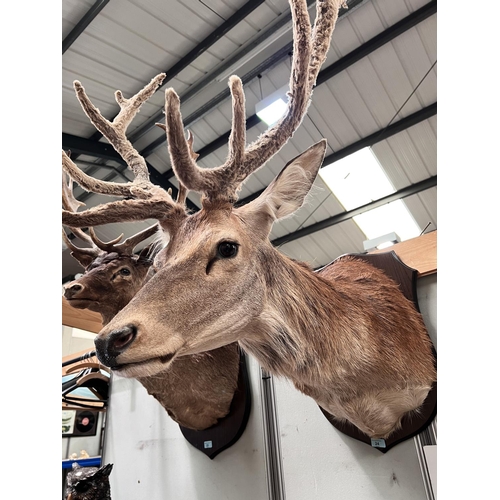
[127, 246]
[83, 255]
[87, 255]
[309, 53]
[144, 199]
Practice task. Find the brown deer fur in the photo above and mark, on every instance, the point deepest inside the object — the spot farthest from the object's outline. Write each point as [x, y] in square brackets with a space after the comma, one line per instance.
[345, 336]
[196, 391]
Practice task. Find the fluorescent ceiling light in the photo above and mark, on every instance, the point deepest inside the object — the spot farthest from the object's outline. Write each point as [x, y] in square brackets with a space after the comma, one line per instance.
[272, 113]
[273, 107]
[359, 179]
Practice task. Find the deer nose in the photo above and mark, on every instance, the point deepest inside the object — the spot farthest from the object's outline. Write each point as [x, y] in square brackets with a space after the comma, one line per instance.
[114, 344]
[72, 289]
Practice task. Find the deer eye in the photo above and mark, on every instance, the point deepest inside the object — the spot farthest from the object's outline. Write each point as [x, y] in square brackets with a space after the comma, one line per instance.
[227, 249]
[82, 486]
[124, 271]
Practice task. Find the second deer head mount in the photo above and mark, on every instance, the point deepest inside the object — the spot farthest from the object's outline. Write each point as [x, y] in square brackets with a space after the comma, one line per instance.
[196, 391]
[346, 337]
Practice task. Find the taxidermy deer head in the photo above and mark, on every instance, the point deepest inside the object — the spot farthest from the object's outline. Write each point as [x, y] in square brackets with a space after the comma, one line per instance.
[197, 390]
[345, 336]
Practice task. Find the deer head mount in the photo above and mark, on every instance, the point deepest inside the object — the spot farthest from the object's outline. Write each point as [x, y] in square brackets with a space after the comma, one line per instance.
[347, 337]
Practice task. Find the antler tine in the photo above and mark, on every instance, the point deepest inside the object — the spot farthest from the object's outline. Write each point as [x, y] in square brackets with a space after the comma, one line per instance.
[190, 141]
[308, 56]
[82, 255]
[309, 53]
[322, 37]
[183, 191]
[106, 246]
[127, 246]
[130, 243]
[158, 207]
[70, 203]
[94, 185]
[115, 131]
[237, 139]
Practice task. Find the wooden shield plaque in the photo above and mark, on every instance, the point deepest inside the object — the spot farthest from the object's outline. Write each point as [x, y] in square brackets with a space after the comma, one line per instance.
[406, 277]
[229, 429]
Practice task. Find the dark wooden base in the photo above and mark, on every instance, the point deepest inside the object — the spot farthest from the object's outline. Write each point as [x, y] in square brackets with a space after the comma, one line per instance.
[229, 429]
[412, 425]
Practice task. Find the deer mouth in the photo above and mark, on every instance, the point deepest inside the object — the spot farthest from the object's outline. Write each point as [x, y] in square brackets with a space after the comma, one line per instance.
[80, 302]
[165, 359]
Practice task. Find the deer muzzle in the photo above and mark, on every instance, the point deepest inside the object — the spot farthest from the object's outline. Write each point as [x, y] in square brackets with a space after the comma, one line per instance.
[72, 290]
[117, 342]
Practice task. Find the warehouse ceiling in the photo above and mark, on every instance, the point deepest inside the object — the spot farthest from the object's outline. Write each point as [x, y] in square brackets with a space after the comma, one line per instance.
[375, 98]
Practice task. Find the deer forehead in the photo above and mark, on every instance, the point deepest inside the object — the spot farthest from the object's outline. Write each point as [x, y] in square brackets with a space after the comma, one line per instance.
[204, 230]
[108, 265]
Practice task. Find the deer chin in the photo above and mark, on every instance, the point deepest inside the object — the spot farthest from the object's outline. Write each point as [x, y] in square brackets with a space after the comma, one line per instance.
[145, 368]
[81, 303]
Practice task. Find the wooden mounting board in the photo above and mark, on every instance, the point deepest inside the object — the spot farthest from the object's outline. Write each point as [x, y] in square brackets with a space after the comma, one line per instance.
[80, 318]
[418, 253]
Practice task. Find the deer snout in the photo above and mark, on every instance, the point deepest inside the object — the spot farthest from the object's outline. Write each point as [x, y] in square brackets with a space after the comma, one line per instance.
[114, 344]
[72, 290]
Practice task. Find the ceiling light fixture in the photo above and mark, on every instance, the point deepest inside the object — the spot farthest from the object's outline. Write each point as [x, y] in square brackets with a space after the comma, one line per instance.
[381, 242]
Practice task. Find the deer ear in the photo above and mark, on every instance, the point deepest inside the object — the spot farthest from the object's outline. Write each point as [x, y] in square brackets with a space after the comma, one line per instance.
[147, 253]
[288, 190]
[83, 258]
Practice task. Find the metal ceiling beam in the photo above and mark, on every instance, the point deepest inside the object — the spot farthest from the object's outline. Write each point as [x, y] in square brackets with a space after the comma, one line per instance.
[370, 140]
[83, 23]
[334, 69]
[337, 219]
[393, 129]
[96, 149]
[378, 41]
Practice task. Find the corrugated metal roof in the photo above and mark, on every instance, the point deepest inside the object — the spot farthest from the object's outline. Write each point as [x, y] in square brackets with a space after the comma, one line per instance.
[129, 42]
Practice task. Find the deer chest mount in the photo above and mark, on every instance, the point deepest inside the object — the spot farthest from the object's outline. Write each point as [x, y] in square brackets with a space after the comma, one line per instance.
[228, 429]
[412, 423]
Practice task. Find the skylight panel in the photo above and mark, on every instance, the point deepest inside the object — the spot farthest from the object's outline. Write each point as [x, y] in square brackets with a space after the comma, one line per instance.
[359, 179]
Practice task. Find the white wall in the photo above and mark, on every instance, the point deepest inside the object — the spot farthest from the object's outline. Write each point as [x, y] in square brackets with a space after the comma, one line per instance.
[152, 459]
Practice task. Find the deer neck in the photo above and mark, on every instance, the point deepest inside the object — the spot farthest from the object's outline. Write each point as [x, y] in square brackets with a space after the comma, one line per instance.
[288, 338]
